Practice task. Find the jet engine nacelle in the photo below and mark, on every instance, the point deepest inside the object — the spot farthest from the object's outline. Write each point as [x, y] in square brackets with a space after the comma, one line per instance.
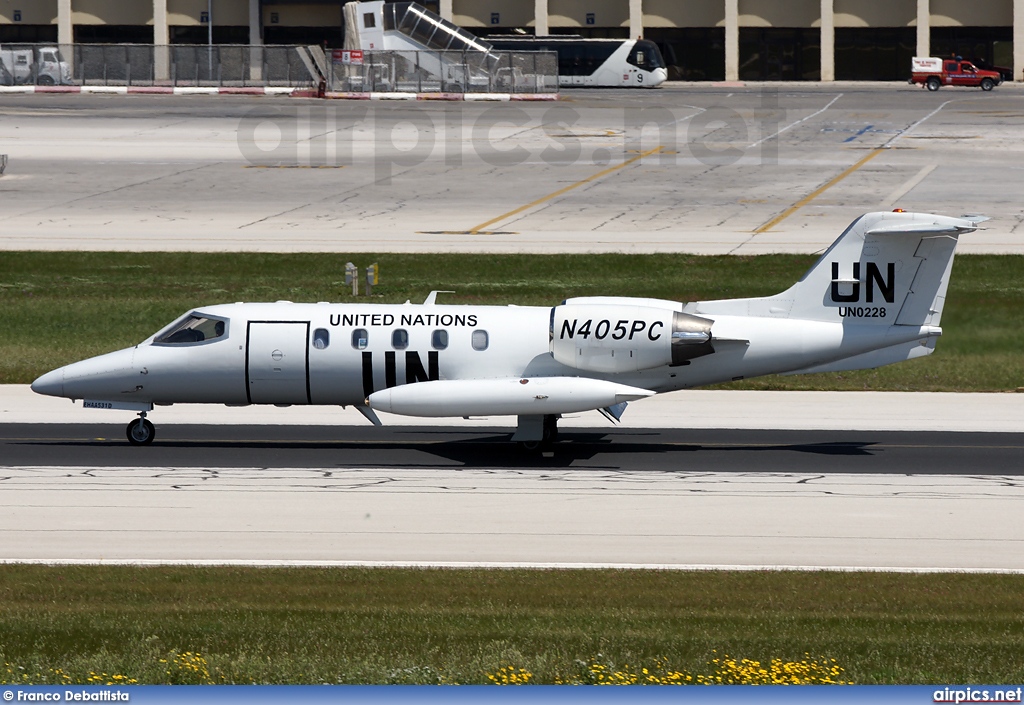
[626, 338]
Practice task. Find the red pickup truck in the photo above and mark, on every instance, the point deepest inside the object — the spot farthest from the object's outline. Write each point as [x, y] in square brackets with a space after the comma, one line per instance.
[934, 73]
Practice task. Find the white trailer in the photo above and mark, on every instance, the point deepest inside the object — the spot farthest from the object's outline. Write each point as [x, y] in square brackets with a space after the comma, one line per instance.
[38, 65]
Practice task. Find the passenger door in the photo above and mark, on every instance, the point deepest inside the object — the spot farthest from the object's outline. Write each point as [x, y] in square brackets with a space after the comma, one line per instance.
[968, 75]
[277, 362]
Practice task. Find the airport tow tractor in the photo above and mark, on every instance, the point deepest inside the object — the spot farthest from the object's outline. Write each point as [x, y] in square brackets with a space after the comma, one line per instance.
[874, 298]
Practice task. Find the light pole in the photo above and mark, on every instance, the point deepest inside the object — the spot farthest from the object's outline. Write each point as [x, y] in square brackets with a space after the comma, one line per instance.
[209, 39]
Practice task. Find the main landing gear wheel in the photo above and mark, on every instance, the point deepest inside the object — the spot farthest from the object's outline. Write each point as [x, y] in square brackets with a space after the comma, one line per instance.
[550, 429]
[140, 432]
[550, 434]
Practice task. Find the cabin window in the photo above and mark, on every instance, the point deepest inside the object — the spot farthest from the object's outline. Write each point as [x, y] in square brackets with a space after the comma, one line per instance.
[400, 339]
[360, 338]
[369, 20]
[193, 329]
[439, 339]
[480, 340]
[321, 338]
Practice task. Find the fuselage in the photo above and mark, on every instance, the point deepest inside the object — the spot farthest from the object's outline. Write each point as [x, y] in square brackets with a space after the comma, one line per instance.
[289, 353]
[331, 354]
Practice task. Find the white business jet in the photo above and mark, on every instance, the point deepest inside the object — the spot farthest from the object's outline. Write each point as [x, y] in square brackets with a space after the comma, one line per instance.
[874, 298]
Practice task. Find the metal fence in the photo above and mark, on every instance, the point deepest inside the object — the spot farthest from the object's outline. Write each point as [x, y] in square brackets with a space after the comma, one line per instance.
[231, 65]
[443, 72]
[170, 65]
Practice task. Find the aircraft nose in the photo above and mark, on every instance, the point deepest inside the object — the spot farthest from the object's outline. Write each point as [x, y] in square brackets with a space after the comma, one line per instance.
[104, 377]
[52, 383]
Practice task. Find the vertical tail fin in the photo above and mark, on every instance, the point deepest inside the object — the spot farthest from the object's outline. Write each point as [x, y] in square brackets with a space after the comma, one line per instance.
[885, 269]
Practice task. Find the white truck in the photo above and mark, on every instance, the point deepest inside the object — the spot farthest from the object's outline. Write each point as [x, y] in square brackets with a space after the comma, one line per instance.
[39, 65]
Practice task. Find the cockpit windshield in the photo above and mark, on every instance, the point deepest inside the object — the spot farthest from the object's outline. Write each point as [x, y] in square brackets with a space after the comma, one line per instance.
[193, 328]
[645, 55]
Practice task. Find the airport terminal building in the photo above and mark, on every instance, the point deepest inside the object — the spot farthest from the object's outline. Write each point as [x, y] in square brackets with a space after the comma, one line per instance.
[701, 40]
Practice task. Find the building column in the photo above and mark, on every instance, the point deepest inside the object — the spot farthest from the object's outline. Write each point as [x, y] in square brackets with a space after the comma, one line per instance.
[732, 40]
[65, 31]
[447, 10]
[255, 24]
[1018, 40]
[161, 38]
[540, 18]
[828, 41]
[636, 19]
[924, 28]
[255, 41]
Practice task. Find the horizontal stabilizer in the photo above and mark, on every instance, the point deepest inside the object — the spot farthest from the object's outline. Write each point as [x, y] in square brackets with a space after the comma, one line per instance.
[534, 396]
[875, 358]
[897, 228]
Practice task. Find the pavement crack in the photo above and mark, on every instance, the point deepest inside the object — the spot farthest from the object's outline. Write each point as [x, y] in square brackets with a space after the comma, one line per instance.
[121, 188]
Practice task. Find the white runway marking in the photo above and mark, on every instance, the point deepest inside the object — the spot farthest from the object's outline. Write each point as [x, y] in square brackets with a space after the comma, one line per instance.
[791, 125]
[908, 186]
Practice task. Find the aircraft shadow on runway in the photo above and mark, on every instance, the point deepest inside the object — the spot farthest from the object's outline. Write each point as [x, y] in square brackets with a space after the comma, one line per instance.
[444, 448]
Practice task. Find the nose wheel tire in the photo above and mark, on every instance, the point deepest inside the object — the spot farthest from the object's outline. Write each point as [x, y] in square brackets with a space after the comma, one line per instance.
[140, 432]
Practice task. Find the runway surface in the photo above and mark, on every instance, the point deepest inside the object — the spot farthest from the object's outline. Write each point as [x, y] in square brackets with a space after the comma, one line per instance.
[443, 496]
[692, 408]
[629, 450]
[684, 168]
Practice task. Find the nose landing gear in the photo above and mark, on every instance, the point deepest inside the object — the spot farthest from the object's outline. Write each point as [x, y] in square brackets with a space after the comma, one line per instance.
[141, 431]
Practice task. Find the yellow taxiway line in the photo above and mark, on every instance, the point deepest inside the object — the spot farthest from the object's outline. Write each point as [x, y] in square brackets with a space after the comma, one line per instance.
[476, 230]
[818, 191]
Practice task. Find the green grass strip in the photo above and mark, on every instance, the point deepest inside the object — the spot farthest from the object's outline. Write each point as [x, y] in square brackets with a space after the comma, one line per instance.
[59, 307]
[351, 625]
